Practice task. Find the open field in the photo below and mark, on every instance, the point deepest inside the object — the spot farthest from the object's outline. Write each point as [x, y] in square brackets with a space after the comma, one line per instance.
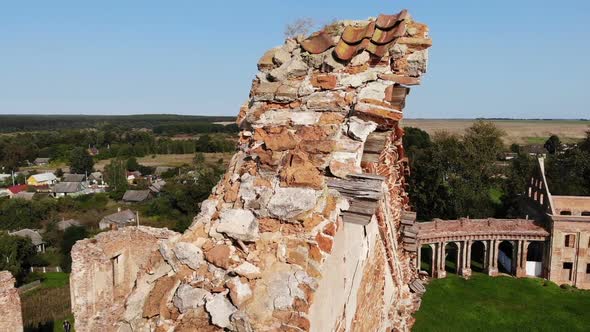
[503, 303]
[518, 131]
[172, 160]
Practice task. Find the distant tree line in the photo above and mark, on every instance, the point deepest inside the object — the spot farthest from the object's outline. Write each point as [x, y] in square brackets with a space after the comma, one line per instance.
[194, 128]
[20, 123]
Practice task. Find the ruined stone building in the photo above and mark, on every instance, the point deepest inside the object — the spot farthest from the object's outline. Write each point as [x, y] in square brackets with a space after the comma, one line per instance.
[553, 241]
[10, 309]
[308, 229]
[568, 220]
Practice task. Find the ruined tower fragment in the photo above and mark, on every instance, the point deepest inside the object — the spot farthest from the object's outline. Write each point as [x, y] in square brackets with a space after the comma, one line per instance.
[308, 229]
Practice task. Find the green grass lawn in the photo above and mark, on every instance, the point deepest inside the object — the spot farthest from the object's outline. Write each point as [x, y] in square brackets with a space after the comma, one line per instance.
[55, 279]
[484, 303]
[45, 307]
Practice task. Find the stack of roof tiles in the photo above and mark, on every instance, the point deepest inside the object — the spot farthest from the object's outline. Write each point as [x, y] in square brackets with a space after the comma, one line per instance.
[254, 257]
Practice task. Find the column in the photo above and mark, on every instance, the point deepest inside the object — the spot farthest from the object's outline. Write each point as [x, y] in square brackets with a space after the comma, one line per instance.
[470, 243]
[441, 272]
[419, 258]
[521, 258]
[433, 261]
[493, 258]
[466, 269]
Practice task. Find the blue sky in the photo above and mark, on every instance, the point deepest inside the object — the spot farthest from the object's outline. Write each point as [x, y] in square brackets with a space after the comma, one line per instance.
[519, 58]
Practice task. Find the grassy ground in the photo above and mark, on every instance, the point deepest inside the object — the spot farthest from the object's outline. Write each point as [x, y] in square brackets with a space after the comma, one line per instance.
[55, 280]
[484, 303]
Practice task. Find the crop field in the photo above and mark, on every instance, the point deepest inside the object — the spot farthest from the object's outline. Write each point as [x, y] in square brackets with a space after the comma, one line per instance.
[517, 131]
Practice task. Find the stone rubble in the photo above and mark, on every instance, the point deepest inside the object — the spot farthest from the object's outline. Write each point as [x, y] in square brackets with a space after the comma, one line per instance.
[11, 318]
[274, 248]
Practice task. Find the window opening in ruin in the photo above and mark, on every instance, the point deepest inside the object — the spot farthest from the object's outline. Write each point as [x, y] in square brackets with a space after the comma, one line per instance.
[567, 270]
[535, 251]
[116, 268]
[587, 268]
[570, 240]
[565, 213]
[586, 214]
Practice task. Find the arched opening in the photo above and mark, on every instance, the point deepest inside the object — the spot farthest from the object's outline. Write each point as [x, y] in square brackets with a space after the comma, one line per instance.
[451, 259]
[505, 257]
[565, 213]
[585, 213]
[426, 259]
[478, 254]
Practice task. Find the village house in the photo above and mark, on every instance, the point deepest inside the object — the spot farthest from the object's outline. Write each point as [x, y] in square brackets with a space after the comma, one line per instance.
[157, 186]
[118, 220]
[63, 189]
[132, 177]
[74, 178]
[33, 235]
[5, 177]
[41, 161]
[13, 190]
[43, 179]
[136, 196]
[65, 224]
[4, 192]
[26, 195]
[160, 170]
[96, 178]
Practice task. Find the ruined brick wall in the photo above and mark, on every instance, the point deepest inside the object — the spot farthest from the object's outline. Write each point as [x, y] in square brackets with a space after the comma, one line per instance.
[11, 317]
[281, 244]
[570, 259]
[105, 270]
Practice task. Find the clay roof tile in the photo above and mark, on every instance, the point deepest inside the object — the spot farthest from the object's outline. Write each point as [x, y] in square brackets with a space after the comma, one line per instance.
[317, 43]
[386, 36]
[354, 35]
[386, 22]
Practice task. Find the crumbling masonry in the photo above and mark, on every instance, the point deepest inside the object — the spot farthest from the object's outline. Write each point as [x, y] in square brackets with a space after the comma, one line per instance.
[305, 232]
[11, 318]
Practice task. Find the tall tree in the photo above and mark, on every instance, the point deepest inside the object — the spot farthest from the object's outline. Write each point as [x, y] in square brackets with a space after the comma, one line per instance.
[553, 144]
[116, 177]
[132, 164]
[81, 161]
[15, 254]
[456, 176]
